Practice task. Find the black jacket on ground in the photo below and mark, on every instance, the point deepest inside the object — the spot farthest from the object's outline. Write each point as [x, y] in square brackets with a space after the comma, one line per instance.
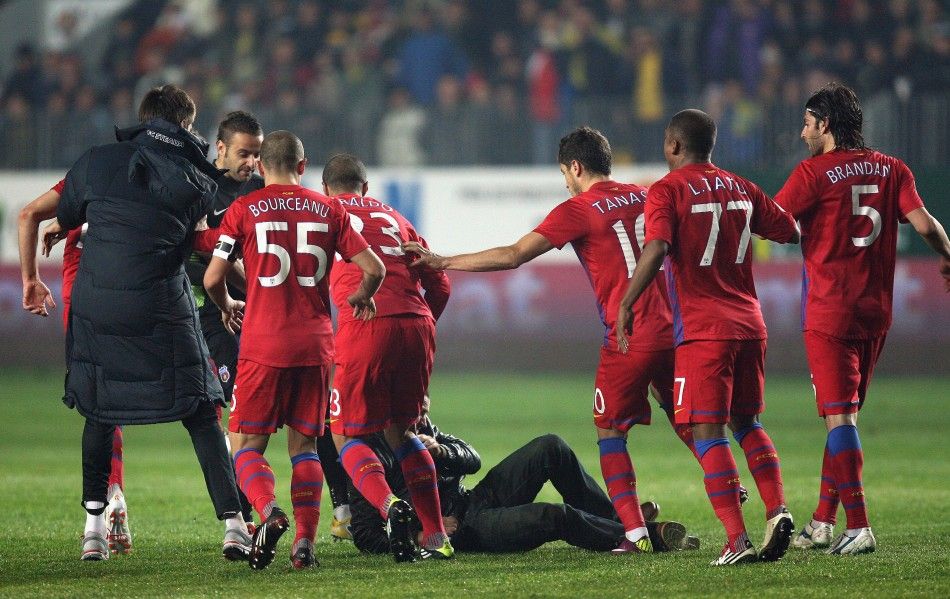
[369, 529]
[134, 349]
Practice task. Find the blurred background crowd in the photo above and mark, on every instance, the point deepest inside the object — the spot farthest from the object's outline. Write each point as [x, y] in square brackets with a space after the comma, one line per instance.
[449, 82]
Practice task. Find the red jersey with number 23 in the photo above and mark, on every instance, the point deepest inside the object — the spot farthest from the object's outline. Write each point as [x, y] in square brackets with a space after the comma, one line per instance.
[288, 235]
[849, 203]
[707, 216]
[605, 224]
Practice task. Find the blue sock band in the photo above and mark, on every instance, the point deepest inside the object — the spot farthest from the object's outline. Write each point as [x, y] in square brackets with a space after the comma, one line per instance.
[307, 455]
[843, 438]
[706, 444]
[612, 445]
[411, 446]
[742, 432]
[245, 450]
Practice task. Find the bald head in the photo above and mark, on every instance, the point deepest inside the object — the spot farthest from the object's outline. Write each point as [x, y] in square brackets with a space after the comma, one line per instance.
[695, 131]
[281, 152]
[344, 173]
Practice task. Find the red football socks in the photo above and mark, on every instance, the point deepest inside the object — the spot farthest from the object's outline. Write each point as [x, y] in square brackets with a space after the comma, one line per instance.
[847, 457]
[621, 481]
[722, 484]
[306, 487]
[418, 469]
[117, 471]
[367, 474]
[827, 510]
[256, 479]
[764, 466]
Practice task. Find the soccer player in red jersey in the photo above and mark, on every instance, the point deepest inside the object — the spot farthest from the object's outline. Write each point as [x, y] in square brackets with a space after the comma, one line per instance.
[604, 222]
[383, 367]
[37, 299]
[848, 200]
[288, 235]
[700, 218]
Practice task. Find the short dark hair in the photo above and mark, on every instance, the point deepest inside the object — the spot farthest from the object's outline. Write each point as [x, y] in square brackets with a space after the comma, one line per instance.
[838, 104]
[587, 146]
[344, 173]
[696, 130]
[168, 102]
[281, 151]
[239, 121]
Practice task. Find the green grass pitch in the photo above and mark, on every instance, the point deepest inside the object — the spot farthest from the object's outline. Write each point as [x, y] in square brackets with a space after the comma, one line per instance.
[177, 539]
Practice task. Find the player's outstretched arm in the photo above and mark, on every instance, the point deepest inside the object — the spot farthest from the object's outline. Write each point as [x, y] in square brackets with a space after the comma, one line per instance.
[364, 308]
[506, 257]
[651, 259]
[36, 295]
[215, 283]
[935, 236]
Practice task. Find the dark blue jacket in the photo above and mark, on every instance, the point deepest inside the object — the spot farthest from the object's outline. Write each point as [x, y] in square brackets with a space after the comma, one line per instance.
[134, 349]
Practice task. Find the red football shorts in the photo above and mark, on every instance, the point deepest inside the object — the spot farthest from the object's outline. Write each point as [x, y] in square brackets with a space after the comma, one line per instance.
[268, 397]
[716, 380]
[621, 388]
[841, 370]
[382, 373]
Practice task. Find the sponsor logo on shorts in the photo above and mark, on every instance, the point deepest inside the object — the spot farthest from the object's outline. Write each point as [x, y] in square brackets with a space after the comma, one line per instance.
[224, 374]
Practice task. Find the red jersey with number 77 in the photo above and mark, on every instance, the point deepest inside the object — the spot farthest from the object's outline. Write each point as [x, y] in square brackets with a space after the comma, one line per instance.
[707, 215]
[605, 226]
[288, 235]
[848, 203]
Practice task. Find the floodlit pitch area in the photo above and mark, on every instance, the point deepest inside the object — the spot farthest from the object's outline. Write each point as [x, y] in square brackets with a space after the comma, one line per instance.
[177, 541]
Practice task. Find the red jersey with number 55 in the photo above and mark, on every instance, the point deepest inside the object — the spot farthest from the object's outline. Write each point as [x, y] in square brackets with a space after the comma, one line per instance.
[288, 235]
[848, 203]
[605, 224]
[707, 216]
[385, 230]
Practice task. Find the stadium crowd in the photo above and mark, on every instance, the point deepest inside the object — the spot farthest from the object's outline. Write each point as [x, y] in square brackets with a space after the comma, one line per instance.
[445, 82]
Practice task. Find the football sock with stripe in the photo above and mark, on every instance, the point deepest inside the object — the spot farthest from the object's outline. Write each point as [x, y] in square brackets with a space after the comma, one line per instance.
[844, 446]
[764, 466]
[367, 474]
[306, 488]
[256, 479]
[418, 469]
[722, 485]
[827, 510]
[683, 431]
[116, 471]
[621, 481]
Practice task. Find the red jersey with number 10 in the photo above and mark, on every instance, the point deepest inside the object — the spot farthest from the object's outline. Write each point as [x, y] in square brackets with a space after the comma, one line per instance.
[288, 235]
[707, 216]
[605, 226]
[849, 203]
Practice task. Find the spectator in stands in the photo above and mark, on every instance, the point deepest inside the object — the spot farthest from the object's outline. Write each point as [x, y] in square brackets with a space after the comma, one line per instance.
[427, 55]
[398, 142]
[18, 132]
[26, 80]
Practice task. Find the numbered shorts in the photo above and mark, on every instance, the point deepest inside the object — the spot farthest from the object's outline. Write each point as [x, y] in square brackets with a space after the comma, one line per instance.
[841, 370]
[715, 380]
[622, 386]
[268, 397]
[382, 373]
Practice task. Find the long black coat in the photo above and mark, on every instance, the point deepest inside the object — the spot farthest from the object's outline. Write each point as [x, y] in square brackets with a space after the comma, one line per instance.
[134, 349]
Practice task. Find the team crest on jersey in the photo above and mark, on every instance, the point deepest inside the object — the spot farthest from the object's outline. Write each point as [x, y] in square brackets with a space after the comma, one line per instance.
[224, 374]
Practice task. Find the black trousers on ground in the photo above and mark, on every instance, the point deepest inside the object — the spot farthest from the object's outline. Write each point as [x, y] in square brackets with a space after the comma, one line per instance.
[502, 515]
[208, 441]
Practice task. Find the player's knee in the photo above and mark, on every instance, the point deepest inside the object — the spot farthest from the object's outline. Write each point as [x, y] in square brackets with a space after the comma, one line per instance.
[551, 444]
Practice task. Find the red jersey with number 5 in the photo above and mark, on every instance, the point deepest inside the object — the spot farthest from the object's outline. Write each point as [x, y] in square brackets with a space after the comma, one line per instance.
[707, 216]
[848, 203]
[385, 229]
[605, 224]
[288, 235]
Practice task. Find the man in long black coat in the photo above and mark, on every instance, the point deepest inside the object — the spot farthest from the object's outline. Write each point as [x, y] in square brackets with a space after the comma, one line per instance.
[134, 349]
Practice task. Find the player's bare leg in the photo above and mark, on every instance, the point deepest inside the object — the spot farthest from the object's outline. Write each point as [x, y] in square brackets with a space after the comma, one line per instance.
[844, 448]
[369, 477]
[763, 462]
[306, 488]
[256, 479]
[722, 486]
[621, 480]
[418, 469]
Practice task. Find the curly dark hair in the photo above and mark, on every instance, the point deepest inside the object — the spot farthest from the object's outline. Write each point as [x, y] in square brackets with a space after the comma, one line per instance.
[838, 105]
